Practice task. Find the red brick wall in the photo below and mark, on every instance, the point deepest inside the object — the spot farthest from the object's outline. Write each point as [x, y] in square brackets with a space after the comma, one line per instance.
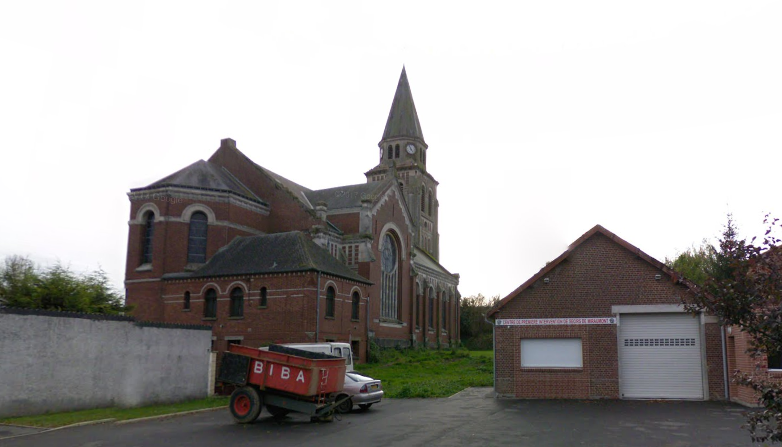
[714, 363]
[597, 274]
[169, 245]
[289, 316]
[288, 213]
[390, 211]
[348, 223]
[145, 299]
[738, 343]
[598, 378]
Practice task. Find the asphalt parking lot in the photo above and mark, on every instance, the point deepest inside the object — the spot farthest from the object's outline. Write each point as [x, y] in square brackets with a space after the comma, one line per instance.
[470, 418]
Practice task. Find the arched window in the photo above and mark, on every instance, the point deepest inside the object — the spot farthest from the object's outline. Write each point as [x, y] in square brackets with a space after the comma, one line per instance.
[237, 302]
[186, 303]
[389, 280]
[396, 151]
[356, 304]
[423, 156]
[196, 243]
[431, 309]
[330, 302]
[264, 295]
[430, 202]
[390, 152]
[146, 244]
[423, 198]
[449, 313]
[418, 310]
[443, 311]
[210, 304]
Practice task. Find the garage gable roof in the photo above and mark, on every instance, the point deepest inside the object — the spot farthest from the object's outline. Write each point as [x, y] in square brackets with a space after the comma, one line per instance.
[675, 277]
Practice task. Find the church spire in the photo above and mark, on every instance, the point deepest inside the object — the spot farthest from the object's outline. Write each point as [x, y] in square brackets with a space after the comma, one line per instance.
[403, 118]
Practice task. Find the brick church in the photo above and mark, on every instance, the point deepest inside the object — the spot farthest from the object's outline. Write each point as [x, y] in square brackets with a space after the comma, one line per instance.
[227, 243]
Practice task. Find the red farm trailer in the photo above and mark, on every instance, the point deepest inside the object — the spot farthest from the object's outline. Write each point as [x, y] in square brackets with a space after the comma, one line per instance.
[283, 379]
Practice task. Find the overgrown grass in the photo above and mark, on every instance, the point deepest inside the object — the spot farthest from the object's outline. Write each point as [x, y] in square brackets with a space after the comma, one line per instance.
[53, 420]
[430, 373]
[487, 354]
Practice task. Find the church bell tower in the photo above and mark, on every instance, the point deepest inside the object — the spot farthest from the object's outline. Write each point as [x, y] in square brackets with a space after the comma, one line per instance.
[403, 153]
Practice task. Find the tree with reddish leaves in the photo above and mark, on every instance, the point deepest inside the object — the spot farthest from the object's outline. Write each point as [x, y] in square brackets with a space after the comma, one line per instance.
[744, 289]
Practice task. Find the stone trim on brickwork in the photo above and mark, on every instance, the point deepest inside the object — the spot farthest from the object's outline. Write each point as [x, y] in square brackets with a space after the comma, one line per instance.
[181, 194]
[386, 228]
[394, 187]
[143, 210]
[188, 212]
[647, 309]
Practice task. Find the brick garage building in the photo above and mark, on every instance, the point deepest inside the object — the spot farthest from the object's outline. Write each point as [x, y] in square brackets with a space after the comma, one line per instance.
[605, 320]
[263, 259]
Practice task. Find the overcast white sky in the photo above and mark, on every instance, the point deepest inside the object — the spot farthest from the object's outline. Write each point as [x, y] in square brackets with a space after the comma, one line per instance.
[544, 118]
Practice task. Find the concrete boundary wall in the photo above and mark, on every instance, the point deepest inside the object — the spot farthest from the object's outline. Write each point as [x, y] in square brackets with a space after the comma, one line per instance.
[59, 362]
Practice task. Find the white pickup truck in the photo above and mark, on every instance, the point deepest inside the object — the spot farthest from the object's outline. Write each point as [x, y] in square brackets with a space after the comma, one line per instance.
[336, 349]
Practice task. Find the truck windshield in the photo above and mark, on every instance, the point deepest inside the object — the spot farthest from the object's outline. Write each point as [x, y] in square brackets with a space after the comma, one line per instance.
[348, 357]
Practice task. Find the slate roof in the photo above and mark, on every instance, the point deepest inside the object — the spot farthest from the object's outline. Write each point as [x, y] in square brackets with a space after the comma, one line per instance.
[343, 197]
[403, 118]
[205, 176]
[676, 277]
[274, 253]
[299, 191]
[424, 259]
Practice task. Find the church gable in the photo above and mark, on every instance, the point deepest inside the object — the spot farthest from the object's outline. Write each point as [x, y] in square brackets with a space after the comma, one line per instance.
[289, 209]
[393, 196]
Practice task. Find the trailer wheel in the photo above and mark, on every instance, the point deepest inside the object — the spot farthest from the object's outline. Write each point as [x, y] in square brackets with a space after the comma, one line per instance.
[245, 404]
[328, 417]
[345, 406]
[276, 411]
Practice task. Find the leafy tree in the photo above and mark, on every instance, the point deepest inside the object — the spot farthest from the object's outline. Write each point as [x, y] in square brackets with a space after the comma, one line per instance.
[744, 289]
[24, 285]
[476, 333]
[18, 281]
[695, 263]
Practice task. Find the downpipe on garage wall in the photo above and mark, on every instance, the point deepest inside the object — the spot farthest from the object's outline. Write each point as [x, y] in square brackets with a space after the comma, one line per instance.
[493, 353]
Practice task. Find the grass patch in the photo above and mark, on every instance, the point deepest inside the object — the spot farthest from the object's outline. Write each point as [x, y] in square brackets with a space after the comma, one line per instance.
[53, 420]
[430, 373]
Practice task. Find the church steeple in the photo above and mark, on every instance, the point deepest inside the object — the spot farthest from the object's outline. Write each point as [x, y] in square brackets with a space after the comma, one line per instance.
[403, 140]
[403, 118]
[403, 158]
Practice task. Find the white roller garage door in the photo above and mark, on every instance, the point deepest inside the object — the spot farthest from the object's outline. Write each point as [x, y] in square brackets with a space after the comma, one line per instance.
[660, 356]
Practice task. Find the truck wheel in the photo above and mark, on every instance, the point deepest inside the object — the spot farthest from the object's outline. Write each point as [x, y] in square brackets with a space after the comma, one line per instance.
[245, 404]
[276, 411]
[345, 406]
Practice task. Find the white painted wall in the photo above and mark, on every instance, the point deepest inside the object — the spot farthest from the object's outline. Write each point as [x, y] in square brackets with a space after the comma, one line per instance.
[60, 363]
